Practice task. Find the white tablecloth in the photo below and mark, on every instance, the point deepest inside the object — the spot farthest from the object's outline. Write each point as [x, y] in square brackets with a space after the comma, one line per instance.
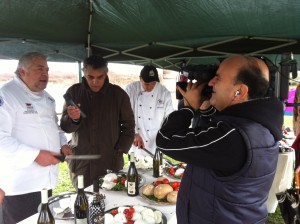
[117, 198]
[282, 180]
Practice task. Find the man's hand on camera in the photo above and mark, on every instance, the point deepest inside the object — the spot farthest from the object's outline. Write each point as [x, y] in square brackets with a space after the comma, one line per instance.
[192, 95]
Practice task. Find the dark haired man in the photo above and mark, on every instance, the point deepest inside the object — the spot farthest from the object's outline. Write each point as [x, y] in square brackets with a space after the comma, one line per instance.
[107, 129]
[232, 157]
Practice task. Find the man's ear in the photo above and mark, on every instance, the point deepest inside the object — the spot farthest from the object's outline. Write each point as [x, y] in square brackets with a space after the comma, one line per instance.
[242, 93]
[21, 71]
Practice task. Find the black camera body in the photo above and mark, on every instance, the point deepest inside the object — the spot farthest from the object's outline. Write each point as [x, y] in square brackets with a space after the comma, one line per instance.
[202, 74]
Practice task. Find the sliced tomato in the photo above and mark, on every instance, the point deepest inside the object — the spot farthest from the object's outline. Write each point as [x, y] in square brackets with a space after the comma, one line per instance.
[126, 211]
[115, 181]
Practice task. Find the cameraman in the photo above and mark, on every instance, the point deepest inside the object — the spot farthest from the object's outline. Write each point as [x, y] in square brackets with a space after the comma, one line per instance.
[231, 159]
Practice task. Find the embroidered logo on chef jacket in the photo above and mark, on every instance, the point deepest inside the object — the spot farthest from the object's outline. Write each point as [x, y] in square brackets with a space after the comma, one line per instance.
[160, 103]
[1, 101]
[29, 109]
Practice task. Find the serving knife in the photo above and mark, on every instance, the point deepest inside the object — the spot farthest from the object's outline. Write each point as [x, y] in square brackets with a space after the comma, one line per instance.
[62, 157]
[166, 160]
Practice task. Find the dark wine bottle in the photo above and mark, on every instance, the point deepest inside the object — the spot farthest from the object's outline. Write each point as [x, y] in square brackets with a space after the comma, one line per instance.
[45, 216]
[97, 206]
[132, 178]
[157, 164]
[81, 204]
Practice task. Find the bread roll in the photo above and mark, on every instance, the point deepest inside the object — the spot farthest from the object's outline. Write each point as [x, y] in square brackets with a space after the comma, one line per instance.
[148, 189]
[162, 190]
[172, 197]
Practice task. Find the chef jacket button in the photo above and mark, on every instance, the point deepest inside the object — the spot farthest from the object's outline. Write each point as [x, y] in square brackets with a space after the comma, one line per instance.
[140, 105]
[139, 117]
[150, 107]
[138, 128]
[146, 141]
[152, 95]
[147, 130]
[149, 118]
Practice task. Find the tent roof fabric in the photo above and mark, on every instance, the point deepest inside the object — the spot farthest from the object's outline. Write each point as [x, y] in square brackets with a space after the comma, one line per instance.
[164, 33]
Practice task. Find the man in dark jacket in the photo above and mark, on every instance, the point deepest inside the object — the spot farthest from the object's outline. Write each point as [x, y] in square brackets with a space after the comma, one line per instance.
[231, 159]
[107, 129]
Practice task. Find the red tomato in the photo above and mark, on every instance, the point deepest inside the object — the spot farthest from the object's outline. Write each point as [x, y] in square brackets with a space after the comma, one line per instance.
[126, 211]
[131, 210]
[172, 171]
[129, 215]
[129, 222]
[174, 185]
[165, 181]
[176, 188]
[114, 212]
[115, 180]
[123, 180]
[158, 183]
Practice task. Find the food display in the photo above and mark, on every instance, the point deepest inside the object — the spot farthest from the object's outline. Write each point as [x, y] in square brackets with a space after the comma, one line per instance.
[117, 181]
[162, 191]
[176, 171]
[143, 162]
[134, 215]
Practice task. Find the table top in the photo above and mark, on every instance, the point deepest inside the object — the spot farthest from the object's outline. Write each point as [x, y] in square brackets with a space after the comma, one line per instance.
[120, 198]
[282, 180]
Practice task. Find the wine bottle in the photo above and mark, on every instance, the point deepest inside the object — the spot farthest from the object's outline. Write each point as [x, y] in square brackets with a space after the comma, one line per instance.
[45, 216]
[81, 204]
[132, 178]
[97, 206]
[157, 164]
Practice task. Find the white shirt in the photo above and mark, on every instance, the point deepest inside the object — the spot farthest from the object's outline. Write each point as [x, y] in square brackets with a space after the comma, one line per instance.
[150, 109]
[28, 124]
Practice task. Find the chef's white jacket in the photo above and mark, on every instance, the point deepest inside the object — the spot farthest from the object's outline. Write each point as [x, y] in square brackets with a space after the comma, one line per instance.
[150, 109]
[28, 124]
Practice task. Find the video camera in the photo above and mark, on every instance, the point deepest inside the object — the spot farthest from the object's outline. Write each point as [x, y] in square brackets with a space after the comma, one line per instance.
[201, 73]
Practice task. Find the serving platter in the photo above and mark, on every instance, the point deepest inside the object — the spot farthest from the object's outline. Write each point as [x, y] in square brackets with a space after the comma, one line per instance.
[171, 170]
[64, 203]
[152, 200]
[120, 183]
[164, 218]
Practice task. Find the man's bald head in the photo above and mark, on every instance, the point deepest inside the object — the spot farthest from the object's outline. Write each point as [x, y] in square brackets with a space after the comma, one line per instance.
[254, 73]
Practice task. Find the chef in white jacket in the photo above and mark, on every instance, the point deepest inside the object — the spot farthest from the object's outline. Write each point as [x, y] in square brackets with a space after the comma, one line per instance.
[29, 138]
[151, 102]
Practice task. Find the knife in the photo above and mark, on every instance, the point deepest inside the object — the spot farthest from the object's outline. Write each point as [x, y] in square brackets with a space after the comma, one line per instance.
[62, 157]
[147, 151]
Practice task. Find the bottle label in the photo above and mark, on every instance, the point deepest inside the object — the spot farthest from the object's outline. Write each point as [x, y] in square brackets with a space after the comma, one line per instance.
[160, 170]
[81, 221]
[131, 188]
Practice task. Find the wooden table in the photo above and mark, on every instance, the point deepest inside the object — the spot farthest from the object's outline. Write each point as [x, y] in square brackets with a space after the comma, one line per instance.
[118, 198]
